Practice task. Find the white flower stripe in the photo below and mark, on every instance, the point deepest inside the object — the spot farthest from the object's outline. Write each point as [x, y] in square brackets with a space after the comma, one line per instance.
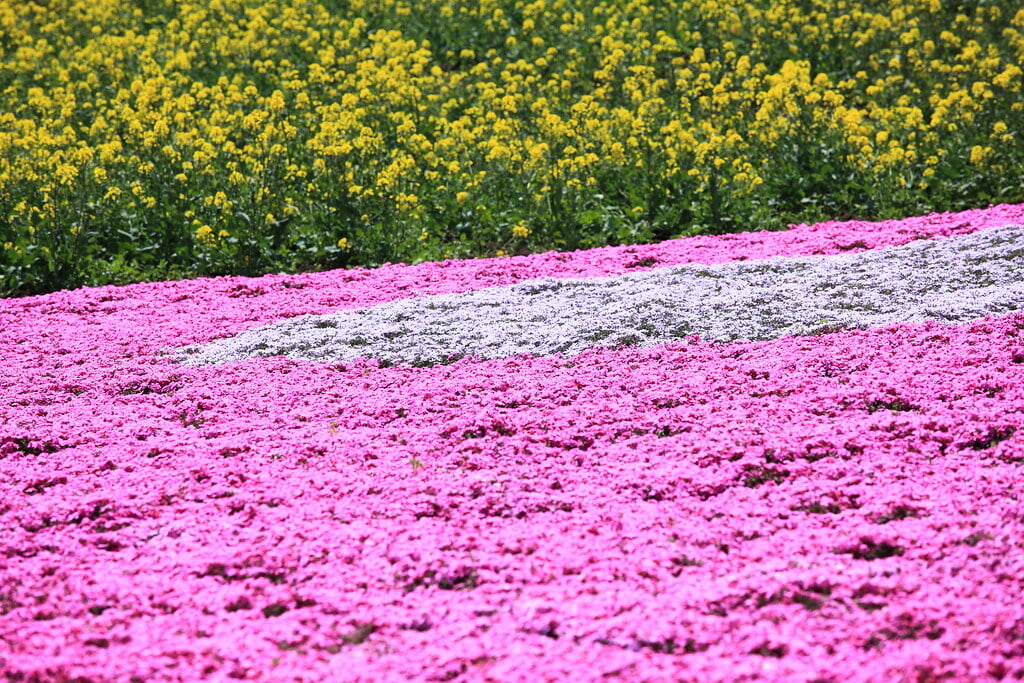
[951, 280]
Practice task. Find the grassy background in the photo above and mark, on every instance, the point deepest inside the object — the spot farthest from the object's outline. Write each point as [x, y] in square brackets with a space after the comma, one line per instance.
[159, 139]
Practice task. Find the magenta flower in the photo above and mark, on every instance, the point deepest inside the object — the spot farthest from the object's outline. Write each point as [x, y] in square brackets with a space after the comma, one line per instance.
[829, 499]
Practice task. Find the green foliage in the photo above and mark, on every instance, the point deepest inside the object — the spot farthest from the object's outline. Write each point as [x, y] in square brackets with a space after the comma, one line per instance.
[158, 139]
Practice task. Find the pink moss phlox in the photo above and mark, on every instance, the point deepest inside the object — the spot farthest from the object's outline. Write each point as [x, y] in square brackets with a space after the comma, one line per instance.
[835, 506]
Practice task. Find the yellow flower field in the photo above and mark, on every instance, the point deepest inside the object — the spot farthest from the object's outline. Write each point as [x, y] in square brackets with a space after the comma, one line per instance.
[167, 138]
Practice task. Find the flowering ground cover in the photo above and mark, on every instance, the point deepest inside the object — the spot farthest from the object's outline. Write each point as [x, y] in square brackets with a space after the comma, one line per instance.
[953, 280]
[840, 503]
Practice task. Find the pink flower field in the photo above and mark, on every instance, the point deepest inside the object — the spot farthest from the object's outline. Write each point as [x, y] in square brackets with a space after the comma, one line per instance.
[843, 505]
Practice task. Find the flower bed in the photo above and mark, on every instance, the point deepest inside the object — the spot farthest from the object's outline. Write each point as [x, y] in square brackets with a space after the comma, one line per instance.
[168, 139]
[843, 503]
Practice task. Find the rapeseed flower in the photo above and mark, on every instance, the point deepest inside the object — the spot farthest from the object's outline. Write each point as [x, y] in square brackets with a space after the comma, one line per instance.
[709, 115]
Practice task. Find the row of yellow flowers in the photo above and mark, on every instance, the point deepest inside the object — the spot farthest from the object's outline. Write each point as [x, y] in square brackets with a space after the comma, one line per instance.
[176, 137]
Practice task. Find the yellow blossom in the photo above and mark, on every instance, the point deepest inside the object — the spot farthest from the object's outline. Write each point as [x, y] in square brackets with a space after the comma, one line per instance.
[979, 154]
[66, 173]
[204, 233]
